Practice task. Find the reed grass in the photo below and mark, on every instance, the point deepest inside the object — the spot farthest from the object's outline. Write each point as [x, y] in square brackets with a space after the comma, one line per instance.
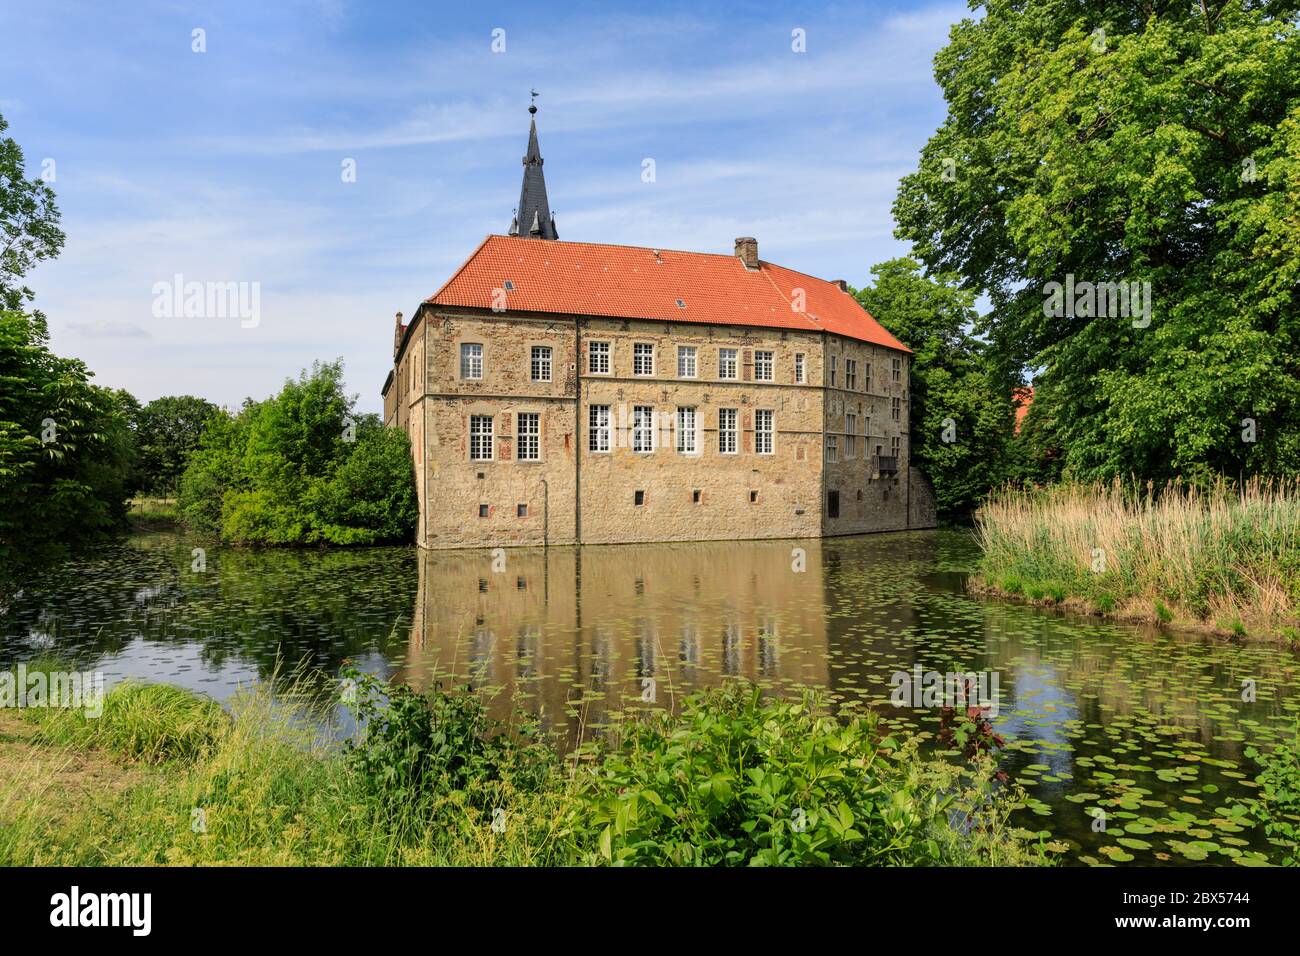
[1226, 556]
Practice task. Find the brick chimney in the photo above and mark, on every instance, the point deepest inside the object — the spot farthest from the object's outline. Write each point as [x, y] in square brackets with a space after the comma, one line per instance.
[397, 334]
[840, 284]
[747, 251]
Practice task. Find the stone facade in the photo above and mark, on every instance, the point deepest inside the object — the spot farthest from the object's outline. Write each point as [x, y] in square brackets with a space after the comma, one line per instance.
[820, 431]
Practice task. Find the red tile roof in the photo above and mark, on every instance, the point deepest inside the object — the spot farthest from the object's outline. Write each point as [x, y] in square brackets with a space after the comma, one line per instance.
[1022, 398]
[584, 278]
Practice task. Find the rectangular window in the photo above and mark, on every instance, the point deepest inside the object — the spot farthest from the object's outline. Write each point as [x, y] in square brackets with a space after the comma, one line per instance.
[895, 444]
[540, 366]
[895, 409]
[686, 442]
[832, 504]
[727, 430]
[835, 364]
[763, 366]
[643, 358]
[471, 360]
[896, 370]
[529, 427]
[866, 426]
[832, 448]
[799, 372]
[597, 358]
[643, 428]
[482, 513]
[638, 498]
[850, 373]
[763, 431]
[866, 378]
[686, 361]
[726, 363]
[521, 511]
[480, 438]
[851, 435]
[598, 428]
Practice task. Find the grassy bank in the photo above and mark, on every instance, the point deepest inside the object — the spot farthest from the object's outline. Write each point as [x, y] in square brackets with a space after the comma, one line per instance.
[154, 514]
[1226, 559]
[733, 780]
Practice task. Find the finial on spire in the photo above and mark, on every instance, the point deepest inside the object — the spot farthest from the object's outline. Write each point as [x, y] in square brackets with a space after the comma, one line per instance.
[532, 106]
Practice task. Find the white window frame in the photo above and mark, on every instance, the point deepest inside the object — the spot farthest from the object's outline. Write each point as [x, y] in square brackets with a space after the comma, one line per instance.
[539, 362]
[471, 361]
[688, 442]
[800, 368]
[530, 440]
[764, 365]
[728, 434]
[477, 438]
[641, 352]
[735, 364]
[850, 435]
[688, 365]
[643, 429]
[603, 349]
[598, 428]
[769, 432]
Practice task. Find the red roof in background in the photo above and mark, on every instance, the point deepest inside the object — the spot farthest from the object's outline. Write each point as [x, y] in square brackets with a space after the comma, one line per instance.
[632, 282]
[1023, 398]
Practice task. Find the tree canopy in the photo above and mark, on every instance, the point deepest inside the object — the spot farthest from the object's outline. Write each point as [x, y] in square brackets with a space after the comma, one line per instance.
[961, 419]
[1114, 142]
[301, 468]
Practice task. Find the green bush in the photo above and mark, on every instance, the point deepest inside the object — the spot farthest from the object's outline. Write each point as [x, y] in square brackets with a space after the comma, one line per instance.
[417, 748]
[302, 468]
[1278, 806]
[737, 780]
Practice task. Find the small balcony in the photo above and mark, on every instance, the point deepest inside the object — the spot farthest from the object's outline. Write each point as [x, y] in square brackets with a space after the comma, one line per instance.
[886, 464]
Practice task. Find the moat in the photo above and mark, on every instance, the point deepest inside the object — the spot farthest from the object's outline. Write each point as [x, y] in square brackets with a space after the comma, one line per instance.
[1153, 724]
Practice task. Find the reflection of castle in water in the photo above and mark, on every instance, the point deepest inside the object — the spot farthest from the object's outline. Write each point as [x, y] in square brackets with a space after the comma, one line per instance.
[575, 635]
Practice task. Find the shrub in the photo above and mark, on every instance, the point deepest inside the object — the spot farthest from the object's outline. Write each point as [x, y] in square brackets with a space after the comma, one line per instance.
[1278, 806]
[416, 748]
[736, 780]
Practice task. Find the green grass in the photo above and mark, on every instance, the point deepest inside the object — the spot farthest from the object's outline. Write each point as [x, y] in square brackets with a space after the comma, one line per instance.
[722, 784]
[153, 723]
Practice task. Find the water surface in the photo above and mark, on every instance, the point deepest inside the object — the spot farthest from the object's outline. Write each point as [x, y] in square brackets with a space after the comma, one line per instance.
[1149, 726]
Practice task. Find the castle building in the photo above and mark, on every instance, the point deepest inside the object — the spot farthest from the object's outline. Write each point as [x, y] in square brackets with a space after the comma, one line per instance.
[562, 392]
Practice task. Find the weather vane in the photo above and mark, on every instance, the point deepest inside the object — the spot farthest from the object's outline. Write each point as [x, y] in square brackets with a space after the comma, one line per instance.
[532, 106]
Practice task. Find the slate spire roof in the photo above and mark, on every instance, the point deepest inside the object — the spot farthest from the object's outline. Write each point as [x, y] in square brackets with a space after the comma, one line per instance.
[533, 219]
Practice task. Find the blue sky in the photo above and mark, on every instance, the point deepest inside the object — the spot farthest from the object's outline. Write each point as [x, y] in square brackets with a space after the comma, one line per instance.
[227, 165]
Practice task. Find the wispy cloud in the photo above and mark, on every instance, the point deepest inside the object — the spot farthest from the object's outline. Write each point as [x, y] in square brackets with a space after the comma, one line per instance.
[227, 165]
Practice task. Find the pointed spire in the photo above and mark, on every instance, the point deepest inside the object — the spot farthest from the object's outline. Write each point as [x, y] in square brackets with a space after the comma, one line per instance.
[533, 205]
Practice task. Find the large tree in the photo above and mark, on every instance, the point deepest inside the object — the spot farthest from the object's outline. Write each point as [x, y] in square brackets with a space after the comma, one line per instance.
[29, 225]
[167, 431]
[1109, 142]
[961, 413]
[302, 468]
